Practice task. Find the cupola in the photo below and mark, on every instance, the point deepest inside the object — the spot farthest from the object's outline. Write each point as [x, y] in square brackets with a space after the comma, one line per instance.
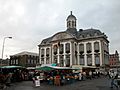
[71, 21]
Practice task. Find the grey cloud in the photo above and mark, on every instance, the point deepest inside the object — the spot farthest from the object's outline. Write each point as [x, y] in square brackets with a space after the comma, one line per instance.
[30, 21]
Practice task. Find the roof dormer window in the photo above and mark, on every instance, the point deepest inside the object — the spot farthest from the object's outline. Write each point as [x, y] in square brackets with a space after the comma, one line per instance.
[95, 33]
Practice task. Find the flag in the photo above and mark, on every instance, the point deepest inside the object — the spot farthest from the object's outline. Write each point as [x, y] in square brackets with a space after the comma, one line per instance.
[56, 45]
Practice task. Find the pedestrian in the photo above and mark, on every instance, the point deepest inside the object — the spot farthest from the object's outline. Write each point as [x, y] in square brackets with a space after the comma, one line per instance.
[114, 79]
[80, 76]
[8, 79]
[90, 75]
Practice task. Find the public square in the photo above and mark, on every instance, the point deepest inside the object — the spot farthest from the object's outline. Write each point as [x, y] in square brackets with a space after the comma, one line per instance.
[59, 44]
[94, 84]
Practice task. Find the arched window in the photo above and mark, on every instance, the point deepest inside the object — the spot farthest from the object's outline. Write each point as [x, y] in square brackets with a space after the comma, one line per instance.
[88, 35]
[75, 47]
[42, 52]
[61, 49]
[55, 49]
[67, 46]
[81, 48]
[95, 34]
[89, 47]
[73, 24]
[47, 51]
[68, 24]
[96, 46]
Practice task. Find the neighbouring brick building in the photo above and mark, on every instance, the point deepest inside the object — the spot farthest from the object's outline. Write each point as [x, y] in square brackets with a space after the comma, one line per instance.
[4, 62]
[114, 59]
[27, 59]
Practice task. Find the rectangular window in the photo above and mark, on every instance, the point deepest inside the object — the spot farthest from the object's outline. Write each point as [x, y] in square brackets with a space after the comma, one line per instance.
[13, 61]
[97, 60]
[10, 61]
[67, 60]
[89, 60]
[55, 59]
[42, 60]
[61, 60]
[96, 46]
[16, 61]
[31, 61]
[81, 60]
[47, 60]
[28, 61]
[35, 62]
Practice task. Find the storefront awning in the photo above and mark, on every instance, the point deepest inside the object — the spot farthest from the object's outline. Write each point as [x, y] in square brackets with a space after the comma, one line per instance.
[11, 67]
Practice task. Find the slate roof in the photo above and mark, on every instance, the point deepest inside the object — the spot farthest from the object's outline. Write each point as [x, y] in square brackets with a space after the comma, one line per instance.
[72, 31]
[81, 34]
[26, 53]
[71, 17]
[46, 41]
[89, 33]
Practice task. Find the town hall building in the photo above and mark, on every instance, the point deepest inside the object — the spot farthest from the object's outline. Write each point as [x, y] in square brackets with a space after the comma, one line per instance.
[89, 47]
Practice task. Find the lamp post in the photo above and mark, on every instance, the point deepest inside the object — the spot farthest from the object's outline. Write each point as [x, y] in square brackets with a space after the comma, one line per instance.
[4, 44]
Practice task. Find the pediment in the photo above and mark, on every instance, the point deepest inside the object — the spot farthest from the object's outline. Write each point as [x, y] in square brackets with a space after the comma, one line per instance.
[61, 36]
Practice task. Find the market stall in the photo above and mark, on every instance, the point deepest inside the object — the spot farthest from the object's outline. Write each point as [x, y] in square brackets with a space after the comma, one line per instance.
[58, 75]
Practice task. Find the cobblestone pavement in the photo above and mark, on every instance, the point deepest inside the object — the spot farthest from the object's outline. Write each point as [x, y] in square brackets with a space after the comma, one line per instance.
[95, 84]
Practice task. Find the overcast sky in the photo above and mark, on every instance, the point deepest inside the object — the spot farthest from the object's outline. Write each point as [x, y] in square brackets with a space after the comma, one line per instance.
[30, 21]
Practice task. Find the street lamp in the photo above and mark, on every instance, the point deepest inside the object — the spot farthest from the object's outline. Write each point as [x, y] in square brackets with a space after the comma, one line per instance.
[4, 44]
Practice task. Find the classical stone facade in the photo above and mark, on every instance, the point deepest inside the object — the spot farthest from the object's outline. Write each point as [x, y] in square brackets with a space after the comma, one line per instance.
[89, 47]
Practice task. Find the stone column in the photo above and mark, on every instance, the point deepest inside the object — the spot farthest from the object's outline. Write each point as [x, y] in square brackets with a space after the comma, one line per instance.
[78, 54]
[101, 55]
[71, 53]
[39, 55]
[85, 56]
[58, 59]
[93, 56]
[51, 54]
[64, 59]
[45, 55]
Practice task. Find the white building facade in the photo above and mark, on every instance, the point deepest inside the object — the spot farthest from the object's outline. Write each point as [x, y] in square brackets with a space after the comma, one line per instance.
[89, 47]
